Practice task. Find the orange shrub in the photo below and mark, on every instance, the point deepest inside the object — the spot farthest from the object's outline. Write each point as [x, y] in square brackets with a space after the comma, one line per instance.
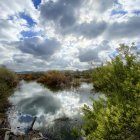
[54, 79]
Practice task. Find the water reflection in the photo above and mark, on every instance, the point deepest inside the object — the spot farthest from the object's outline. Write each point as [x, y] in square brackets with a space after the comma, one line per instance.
[51, 109]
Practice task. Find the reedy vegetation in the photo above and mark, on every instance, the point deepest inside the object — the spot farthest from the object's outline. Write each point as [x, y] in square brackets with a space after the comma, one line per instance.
[118, 116]
[58, 80]
[8, 81]
[55, 80]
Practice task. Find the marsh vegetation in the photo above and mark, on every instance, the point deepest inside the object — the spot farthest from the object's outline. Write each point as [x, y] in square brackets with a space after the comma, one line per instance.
[8, 81]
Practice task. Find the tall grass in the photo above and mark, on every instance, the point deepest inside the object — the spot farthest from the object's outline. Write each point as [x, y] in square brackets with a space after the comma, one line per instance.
[8, 81]
[55, 80]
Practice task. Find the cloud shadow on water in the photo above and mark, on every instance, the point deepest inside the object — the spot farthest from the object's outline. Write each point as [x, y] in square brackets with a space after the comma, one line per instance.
[46, 103]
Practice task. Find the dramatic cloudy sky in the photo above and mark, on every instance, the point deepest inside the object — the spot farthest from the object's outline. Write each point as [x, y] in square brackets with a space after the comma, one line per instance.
[65, 34]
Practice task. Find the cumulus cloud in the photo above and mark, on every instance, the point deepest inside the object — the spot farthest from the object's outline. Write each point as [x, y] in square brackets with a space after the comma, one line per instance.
[25, 62]
[38, 47]
[20, 58]
[10, 30]
[62, 12]
[65, 14]
[9, 8]
[125, 29]
[11, 21]
[92, 52]
[103, 5]
[7, 50]
[90, 30]
[67, 33]
[89, 55]
[130, 5]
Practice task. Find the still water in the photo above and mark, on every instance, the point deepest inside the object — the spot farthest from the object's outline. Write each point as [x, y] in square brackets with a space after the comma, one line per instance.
[56, 112]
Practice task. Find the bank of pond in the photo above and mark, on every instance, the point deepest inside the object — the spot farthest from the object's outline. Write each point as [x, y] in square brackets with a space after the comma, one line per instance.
[56, 99]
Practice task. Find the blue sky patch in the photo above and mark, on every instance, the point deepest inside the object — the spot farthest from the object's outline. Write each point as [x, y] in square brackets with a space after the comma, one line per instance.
[29, 33]
[118, 12]
[137, 12]
[25, 118]
[36, 3]
[113, 54]
[29, 20]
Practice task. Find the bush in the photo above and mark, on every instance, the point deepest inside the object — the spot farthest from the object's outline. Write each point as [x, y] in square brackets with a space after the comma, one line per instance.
[76, 83]
[8, 81]
[8, 77]
[118, 117]
[54, 79]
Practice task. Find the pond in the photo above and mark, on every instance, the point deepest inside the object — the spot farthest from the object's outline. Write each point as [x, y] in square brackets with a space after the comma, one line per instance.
[57, 112]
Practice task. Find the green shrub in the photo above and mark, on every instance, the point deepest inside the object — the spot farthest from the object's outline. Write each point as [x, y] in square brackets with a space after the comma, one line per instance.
[8, 81]
[117, 117]
[8, 77]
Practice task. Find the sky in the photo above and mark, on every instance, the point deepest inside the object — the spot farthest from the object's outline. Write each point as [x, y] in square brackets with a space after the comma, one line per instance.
[41, 35]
